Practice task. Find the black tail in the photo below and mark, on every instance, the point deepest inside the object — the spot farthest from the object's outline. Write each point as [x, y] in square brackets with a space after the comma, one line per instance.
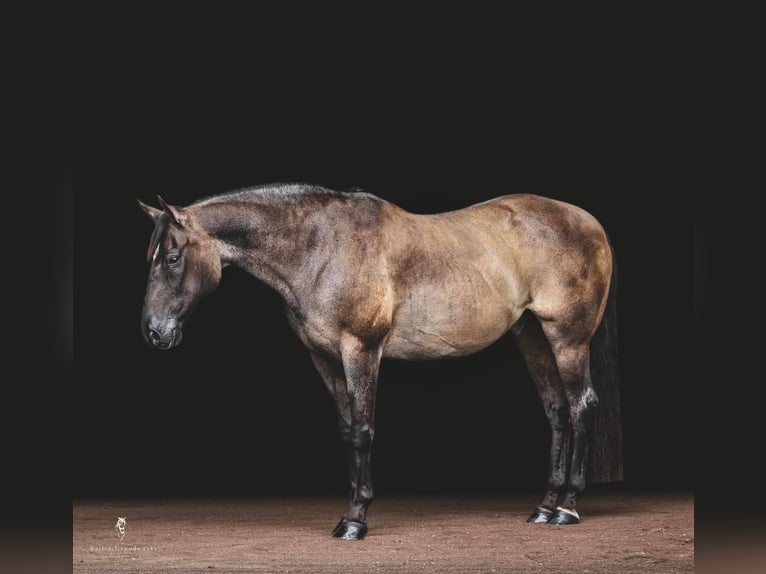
[605, 445]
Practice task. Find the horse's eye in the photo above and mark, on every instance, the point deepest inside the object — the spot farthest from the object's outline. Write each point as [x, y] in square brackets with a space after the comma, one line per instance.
[173, 258]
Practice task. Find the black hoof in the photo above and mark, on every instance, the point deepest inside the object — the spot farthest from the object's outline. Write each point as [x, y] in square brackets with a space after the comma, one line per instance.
[541, 515]
[565, 516]
[349, 530]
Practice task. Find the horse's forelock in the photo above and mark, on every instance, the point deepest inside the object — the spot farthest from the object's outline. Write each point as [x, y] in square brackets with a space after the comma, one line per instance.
[159, 232]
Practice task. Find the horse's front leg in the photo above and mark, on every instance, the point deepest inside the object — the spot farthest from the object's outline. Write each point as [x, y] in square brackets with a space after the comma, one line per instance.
[361, 364]
[352, 384]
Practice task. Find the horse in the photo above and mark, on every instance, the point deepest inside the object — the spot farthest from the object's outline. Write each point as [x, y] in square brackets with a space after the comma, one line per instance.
[363, 279]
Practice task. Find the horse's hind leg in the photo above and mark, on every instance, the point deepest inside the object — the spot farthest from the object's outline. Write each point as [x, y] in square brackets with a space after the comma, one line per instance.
[573, 359]
[542, 367]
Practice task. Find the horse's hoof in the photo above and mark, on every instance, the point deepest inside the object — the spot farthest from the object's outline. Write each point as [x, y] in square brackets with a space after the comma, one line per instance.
[565, 516]
[349, 530]
[541, 515]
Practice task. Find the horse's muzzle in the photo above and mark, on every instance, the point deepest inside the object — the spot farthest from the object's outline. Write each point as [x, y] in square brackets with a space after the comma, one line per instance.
[156, 340]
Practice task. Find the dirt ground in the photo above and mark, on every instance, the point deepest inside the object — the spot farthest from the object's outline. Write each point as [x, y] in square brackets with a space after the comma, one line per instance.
[619, 532]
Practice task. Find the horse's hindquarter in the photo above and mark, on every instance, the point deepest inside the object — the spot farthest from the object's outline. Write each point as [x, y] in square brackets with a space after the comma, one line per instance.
[462, 279]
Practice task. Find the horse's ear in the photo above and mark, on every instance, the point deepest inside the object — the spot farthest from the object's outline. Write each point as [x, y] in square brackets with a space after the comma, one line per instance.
[171, 212]
[152, 212]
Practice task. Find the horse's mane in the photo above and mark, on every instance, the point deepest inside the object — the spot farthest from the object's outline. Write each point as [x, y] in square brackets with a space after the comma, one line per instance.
[282, 191]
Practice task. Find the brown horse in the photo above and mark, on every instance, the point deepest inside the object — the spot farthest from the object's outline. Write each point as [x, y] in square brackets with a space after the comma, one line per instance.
[362, 279]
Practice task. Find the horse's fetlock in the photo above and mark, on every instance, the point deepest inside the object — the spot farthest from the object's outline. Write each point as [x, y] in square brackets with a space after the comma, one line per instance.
[365, 494]
[557, 482]
[576, 487]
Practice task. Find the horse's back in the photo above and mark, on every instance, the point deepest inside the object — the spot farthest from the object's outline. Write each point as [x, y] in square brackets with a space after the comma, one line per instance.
[528, 238]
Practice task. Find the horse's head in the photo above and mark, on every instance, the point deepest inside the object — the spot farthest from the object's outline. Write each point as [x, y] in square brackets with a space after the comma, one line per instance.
[185, 265]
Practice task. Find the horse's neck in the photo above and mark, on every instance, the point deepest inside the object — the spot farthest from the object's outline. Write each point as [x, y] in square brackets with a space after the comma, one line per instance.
[263, 239]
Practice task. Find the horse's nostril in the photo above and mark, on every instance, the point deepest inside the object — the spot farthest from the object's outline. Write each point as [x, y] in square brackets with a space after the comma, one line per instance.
[154, 337]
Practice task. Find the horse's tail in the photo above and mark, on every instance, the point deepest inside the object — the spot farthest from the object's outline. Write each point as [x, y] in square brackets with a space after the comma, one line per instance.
[605, 444]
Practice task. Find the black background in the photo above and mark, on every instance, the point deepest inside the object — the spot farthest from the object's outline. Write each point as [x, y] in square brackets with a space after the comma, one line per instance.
[238, 408]
[636, 115]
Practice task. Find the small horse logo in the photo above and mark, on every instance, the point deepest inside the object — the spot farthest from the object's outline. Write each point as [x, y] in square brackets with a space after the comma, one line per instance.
[120, 527]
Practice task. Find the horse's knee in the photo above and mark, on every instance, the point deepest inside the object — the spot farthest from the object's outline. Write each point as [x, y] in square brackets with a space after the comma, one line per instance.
[344, 427]
[361, 435]
[357, 435]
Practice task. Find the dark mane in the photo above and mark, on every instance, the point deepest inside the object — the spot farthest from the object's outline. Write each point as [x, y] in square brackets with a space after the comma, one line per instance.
[282, 191]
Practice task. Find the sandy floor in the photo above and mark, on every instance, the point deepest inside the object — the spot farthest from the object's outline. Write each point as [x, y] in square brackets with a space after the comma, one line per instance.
[646, 533]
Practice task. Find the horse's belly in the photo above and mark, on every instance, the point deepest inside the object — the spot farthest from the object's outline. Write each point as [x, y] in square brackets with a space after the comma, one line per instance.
[422, 331]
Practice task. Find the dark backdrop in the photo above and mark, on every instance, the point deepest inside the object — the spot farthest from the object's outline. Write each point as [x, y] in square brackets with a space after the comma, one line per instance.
[238, 408]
